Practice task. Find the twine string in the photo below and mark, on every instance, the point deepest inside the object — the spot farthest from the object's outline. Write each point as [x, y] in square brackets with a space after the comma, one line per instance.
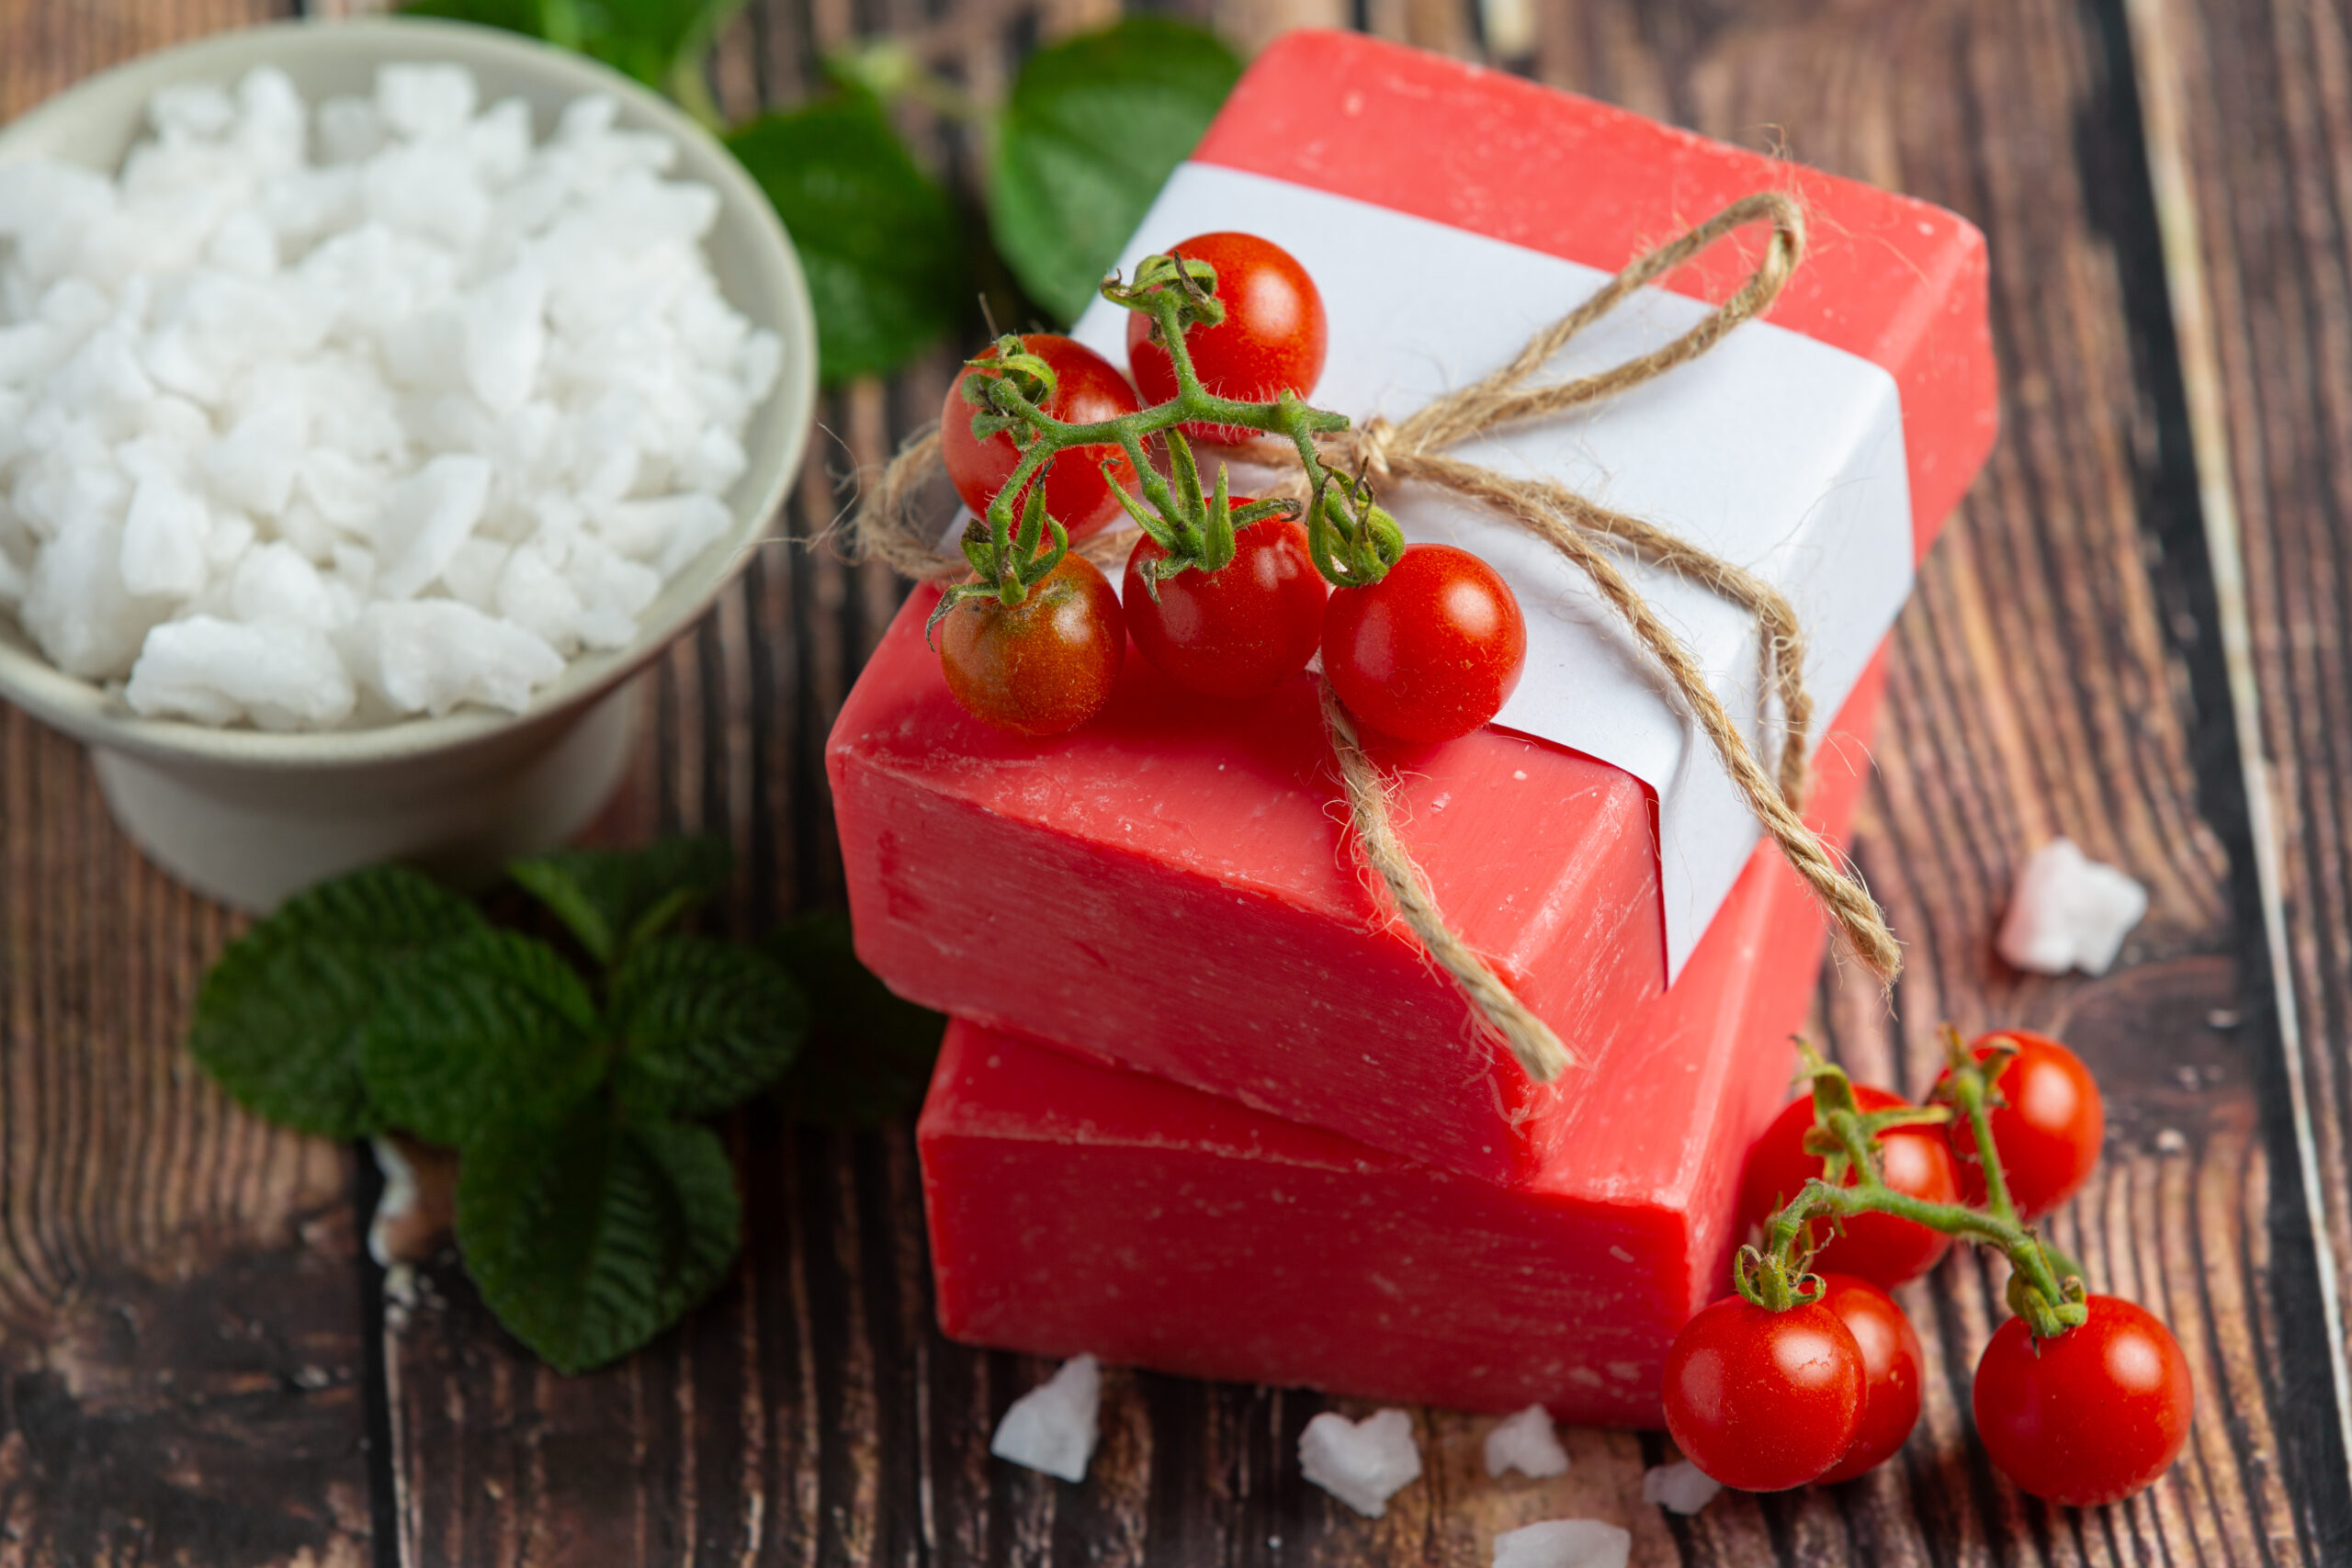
[889, 527]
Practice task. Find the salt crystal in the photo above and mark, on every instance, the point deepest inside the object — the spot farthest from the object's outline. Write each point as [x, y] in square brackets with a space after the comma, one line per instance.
[427, 517]
[1564, 1543]
[425, 100]
[194, 110]
[1679, 1488]
[216, 671]
[254, 465]
[2069, 912]
[1363, 1463]
[506, 333]
[162, 540]
[276, 583]
[431, 655]
[350, 129]
[1527, 1443]
[1054, 1426]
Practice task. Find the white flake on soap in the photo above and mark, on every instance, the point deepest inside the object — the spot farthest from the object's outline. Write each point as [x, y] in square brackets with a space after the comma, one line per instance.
[2069, 911]
[1363, 1463]
[1052, 1427]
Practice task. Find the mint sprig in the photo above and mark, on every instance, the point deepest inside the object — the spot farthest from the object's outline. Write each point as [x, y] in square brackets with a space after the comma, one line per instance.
[592, 1208]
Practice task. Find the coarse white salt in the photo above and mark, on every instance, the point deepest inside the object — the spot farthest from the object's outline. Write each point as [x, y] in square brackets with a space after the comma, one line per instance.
[2069, 912]
[1053, 1427]
[1527, 1443]
[1363, 1463]
[1679, 1488]
[1564, 1543]
[382, 378]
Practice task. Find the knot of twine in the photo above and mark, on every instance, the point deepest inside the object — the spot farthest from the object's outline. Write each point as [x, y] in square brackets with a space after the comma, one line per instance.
[1414, 450]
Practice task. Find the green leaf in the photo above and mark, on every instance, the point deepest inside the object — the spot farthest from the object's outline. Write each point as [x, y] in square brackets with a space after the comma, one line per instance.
[869, 1053]
[526, 17]
[614, 899]
[878, 239]
[1094, 127]
[704, 1025]
[278, 1018]
[589, 1234]
[470, 1034]
[654, 40]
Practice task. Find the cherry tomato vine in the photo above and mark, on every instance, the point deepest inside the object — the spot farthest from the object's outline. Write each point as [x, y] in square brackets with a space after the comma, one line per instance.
[1226, 596]
[2080, 1398]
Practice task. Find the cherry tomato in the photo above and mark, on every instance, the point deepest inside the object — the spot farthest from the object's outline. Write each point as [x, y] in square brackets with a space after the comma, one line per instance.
[2090, 1416]
[1432, 650]
[1087, 387]
[1043, 665]
[1240, 631]
[1879, 1247]
[2049, 1133]
[1892, 1365]
[1764, 1400]
[1273, 339]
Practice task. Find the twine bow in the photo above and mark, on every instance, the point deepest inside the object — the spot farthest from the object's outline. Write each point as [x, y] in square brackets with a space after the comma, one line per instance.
[1414, 451]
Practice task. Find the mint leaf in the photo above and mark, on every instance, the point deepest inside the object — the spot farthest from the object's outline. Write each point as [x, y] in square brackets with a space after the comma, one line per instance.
[1095, 126]
[278, 1018]
[613, 898]
[589, 1234]
[869, 1053]
[527, 17]
[704, 1024]
[470, 1033]
[656, 42]
[878, 239]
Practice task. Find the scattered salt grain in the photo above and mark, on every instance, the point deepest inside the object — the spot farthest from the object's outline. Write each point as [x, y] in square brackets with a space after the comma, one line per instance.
[1564, 1543]
[1053, 1427]
[323, 415]
[1363, 1463]
[1527, 1443]
[2069, 912]
[1679, 1488]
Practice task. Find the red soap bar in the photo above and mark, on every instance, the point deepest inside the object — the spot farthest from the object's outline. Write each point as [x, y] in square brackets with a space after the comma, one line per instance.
[1168, 887]
[1075, 1207]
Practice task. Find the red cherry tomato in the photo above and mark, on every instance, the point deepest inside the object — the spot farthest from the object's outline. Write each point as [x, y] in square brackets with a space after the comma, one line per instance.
[1273, 339]
[1087, 387]
[1043, 665]
[1432, 650]
[1240, 631]
[2090, 1416]
[1893, 1366]
[2049, 1133]
[1877, 1247]
[1763, 1400]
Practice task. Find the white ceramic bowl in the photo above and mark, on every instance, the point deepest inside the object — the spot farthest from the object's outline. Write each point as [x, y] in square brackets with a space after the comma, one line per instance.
[250, 816]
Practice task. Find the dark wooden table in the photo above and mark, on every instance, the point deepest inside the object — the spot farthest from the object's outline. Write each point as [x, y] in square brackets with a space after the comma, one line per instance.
[2135, 633]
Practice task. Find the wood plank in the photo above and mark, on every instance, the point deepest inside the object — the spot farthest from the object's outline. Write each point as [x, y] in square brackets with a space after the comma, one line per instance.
[181, 1354]
[2256, 238]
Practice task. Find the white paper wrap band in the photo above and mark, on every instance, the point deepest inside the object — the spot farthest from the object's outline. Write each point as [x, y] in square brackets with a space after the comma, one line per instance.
[1774, 451]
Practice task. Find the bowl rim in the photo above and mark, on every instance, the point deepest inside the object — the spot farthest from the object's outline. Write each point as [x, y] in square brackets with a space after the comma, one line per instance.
[94, 714]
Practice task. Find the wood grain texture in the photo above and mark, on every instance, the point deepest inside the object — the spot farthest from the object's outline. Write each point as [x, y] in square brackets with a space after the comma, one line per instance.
[2261, 96]
[181, 1356]
[179, 1332]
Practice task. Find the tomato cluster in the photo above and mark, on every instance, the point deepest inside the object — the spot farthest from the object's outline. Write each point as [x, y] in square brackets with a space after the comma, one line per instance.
[1428, 652]
[1829, 1387]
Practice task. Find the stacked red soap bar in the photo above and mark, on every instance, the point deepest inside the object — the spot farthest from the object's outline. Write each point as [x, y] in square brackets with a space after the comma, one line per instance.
[1075, 1206]
[1162, 908]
